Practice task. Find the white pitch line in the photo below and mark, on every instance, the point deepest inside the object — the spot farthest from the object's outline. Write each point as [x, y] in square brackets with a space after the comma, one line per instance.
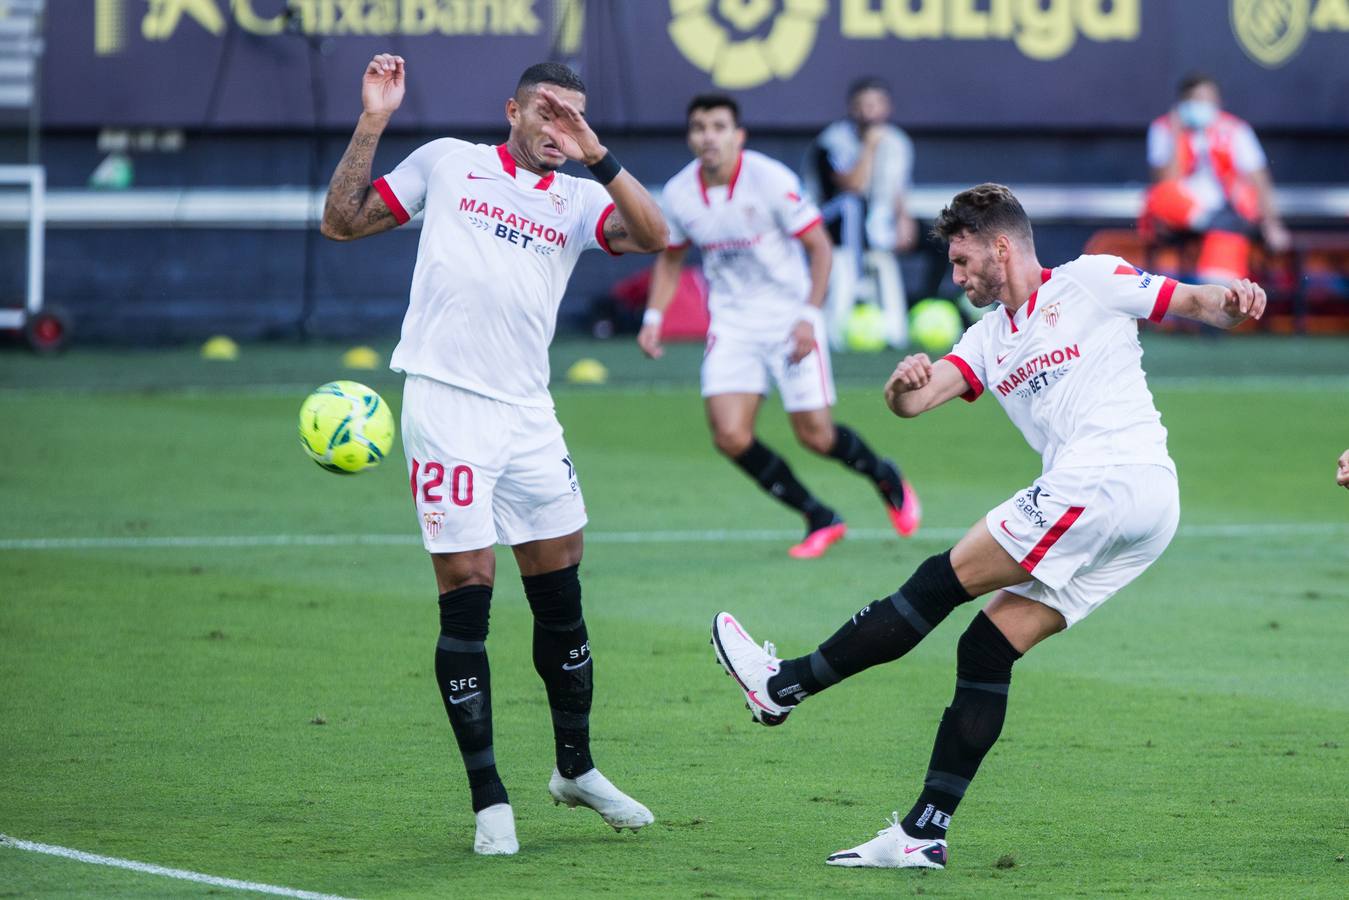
[150, 869]
[712, 536]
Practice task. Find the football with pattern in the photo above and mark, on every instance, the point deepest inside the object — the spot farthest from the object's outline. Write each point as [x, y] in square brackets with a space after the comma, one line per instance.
[346, 427]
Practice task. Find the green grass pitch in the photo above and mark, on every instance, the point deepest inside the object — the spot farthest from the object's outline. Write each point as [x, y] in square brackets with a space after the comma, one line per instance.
[265, 710]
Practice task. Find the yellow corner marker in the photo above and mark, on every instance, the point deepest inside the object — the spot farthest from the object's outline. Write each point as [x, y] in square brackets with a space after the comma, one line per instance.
[360, 358]
[587, 371]
[220, 347]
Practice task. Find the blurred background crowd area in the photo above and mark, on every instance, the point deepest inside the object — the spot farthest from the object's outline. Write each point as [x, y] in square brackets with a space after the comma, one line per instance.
[170, 156]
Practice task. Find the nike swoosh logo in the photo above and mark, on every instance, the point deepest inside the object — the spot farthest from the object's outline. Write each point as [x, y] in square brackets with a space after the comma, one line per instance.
[908, 849]
[1004, 356]
[455, 702]
[754, 696]
[567, 668]
[1003, 526]
[473, 177]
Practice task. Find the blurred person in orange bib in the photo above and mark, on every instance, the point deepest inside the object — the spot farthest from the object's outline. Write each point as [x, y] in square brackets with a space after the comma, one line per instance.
[1210, 177]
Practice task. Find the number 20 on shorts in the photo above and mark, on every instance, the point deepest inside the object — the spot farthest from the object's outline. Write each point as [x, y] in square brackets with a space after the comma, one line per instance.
[433, 480]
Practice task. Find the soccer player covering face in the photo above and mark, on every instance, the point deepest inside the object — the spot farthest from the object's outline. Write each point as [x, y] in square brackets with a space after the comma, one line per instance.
[502, 231]
[748, 218]
[1061, 356]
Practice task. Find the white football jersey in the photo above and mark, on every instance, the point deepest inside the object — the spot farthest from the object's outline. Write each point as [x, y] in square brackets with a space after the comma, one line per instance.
[1067, 366]
[747, 233]
[498, 244]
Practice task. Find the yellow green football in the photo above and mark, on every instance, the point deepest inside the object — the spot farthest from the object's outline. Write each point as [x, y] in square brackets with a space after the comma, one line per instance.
[346, 427]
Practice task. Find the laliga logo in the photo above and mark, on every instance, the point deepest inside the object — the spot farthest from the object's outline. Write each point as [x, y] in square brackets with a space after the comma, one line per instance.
[746, 62]
[1273, 31]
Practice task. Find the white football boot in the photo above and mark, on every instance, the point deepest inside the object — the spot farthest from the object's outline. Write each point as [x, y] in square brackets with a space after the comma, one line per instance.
[496, 831]
[592, 789]
[891, 848]
[750, 665]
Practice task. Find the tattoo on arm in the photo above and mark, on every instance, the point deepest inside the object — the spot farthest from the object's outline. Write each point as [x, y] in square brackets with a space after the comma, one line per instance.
[379, 215]
[349, 190]
[615, 229]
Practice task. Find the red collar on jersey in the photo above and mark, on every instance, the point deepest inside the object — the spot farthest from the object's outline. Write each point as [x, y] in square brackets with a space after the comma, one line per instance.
[1030, 304]
[508, 163]
[730, 185]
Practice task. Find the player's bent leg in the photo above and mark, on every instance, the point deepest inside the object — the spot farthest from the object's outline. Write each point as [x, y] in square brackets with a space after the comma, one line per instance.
[982, 564]
[1023, 621]
[995, 639]
[882, 631]
[901, 501]
[814, 430]
[464, 679]
[731, 418]
[563, 661]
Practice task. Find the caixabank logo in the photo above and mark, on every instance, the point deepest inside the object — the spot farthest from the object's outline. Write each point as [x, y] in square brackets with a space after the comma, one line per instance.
[1272, 32]
[163, 20]
[746, 43]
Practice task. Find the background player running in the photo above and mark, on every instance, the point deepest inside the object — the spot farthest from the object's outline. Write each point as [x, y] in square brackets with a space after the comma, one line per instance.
[746, 214]
[1062, 358]
[502, 232]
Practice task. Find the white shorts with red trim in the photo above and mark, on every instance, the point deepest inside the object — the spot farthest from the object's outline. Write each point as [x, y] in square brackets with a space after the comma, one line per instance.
[1085, 533]
[739, 363]
[484, 472]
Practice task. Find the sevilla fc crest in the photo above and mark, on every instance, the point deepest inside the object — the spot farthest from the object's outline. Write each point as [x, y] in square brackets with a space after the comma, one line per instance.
[559, 204]
[433, 520]
[1051, 314]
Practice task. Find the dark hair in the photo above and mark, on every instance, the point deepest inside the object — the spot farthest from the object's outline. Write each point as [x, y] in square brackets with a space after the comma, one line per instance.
[550, 73]
[987, 209]
[1193, 80]
[714, 101]
[867, 83]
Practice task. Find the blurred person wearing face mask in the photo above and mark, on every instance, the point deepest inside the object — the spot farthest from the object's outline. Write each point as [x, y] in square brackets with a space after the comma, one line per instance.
[1210, 176]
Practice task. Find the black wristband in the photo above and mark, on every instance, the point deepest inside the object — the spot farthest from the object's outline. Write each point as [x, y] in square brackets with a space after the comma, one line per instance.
[607, 169]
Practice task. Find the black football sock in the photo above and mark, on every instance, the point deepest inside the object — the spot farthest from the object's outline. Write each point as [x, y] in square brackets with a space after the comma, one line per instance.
[881, 631]
[562, 659]
[853, 452]
[969, 727]
[775, 476]
[466, 687]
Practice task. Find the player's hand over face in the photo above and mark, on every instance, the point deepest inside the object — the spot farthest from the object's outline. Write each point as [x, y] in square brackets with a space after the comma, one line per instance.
[566, 126]
[802, 342]
[1244, 299]
[1342, 474]
[649, 340]
[382, 86]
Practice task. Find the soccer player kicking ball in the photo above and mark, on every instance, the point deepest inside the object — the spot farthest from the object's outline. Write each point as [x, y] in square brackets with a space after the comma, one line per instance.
[1062, 357]
[746, 214]
[502, 232]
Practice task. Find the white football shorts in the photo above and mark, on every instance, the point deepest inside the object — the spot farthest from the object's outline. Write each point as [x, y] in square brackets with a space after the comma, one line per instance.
[484, 472]
[1085, 533]
[736, 362]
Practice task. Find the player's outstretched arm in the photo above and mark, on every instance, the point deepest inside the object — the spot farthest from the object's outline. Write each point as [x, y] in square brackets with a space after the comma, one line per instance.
[918, 385]
[353, 209]
[664, 283]
[1217, 305]
[636, 224]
